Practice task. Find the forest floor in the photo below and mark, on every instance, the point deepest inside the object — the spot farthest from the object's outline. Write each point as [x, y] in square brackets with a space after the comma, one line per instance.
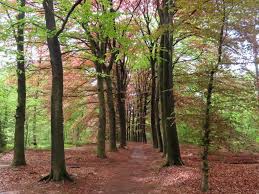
[136, 169]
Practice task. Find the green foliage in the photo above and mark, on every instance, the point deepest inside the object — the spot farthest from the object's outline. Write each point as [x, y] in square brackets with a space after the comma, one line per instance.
[187, 135]
[7, 107]
[139, 62]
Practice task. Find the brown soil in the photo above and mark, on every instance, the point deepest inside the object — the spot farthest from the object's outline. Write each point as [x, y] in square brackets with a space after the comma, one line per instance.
[136, 169]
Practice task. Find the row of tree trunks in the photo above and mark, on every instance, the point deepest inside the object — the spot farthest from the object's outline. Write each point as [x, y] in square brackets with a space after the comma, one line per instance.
[99, 48]
[138, 108]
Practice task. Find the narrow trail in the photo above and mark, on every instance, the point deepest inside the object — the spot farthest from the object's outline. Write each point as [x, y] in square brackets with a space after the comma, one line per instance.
[129, 175]
[4, 164]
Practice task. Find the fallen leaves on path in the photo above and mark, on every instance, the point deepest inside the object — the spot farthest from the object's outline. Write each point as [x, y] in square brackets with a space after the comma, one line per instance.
[133, 170]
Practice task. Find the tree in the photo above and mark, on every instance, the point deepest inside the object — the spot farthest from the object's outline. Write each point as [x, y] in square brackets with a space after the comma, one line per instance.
[146, 24]
[101, 42]
[173, 156]
[157, 117]
[247, 29]
[121, 83]
[19, 155]
[111, 109]
[104, 38]
[58, 167]
[210, 88]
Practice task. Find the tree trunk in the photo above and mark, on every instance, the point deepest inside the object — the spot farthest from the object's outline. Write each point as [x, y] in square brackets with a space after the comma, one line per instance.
[144, 117]
[133, 124]
[173, 149]
[256, 62]
[168, 102]
[129, 117]
[26, 131]
[161, 88]
[102, 113]
[206, 127]
[157, 117]
[34, 127]
[120, 75]
[19, 155]
[111, 110]
[58, 166]
[153, 104]
[206, 138]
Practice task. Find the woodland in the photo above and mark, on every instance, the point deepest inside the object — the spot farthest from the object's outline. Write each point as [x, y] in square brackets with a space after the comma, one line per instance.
[129, 96]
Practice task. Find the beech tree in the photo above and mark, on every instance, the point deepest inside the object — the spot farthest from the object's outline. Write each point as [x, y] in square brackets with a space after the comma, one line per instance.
[121, 83]
[100, 44]
[58, 166]
[19, 155]
[147, 23]
[172, 148]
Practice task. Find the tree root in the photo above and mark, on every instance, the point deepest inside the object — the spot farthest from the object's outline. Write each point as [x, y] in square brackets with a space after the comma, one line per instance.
[45, 178]
[102, 157]
[178, 162]
[63, 177]
[122, 147]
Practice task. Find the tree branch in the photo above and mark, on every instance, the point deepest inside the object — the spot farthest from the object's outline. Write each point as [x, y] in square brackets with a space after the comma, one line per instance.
[67, 17]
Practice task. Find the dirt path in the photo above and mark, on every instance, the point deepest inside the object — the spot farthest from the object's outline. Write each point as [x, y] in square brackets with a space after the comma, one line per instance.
[3, 163]
[130, 174]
